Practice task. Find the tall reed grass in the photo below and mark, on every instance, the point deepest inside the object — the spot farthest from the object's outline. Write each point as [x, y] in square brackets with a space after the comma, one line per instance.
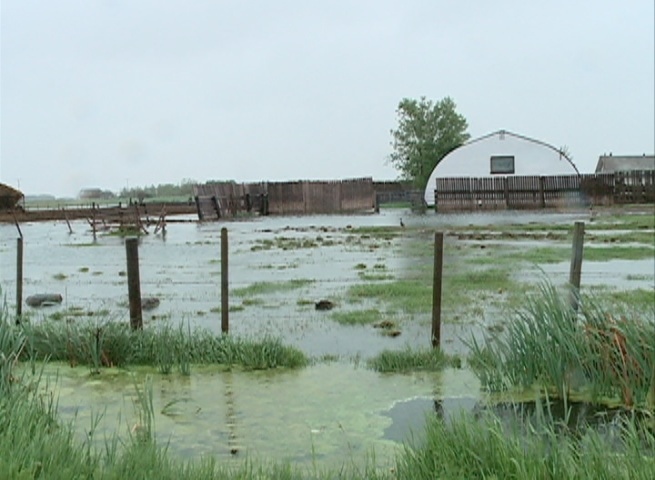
[548, 344]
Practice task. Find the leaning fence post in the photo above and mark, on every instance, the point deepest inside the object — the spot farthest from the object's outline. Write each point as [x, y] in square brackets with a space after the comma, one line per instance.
[19, 279]
[576, 263]
[133, 282]
[225, 321]
[436, 290]
[70, 229]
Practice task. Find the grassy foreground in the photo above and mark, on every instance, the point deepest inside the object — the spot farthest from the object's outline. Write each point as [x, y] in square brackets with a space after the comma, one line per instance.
[36, 445]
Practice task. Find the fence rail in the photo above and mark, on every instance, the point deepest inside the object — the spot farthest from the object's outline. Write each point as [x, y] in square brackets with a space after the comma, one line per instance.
[535, 192]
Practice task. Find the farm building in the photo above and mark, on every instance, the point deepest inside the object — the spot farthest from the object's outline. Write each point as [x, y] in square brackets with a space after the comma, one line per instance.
[625, 163]
[9, 196]
[634, 176]
[500, 154]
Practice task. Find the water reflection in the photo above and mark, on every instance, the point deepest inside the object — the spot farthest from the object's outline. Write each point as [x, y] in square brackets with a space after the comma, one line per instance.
[409, 417]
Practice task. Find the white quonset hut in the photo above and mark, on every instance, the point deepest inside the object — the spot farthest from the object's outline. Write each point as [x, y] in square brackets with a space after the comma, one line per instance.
[500, 153]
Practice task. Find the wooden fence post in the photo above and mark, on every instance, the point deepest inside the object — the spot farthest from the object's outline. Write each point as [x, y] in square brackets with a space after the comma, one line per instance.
[576, 263]
[436, 290]
[19, 279]
[217, 208]
[506, 192]
[542, 192]
[93, 216]
[198, 209]
[13, 212]
[133, 282]
[225, 321]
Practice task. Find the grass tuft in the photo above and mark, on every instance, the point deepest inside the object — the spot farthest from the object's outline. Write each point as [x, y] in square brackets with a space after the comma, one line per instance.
[357, 317]
[408, 360]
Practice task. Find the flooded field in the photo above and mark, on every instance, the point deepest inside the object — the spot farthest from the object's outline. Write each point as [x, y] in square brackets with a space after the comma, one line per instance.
[336, 409]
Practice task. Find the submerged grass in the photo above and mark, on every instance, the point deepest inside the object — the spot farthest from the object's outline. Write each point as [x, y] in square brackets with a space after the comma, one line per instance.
[357, 317]
[374, 276]
[414, 295]
[645, 237]
[264, 288]
[625, 221]
[618, 221]
[552, 254]
[638, 298]
[379, 232]
[601, 254]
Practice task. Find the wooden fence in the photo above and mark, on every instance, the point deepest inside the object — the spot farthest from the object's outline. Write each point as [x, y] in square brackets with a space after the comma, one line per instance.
[634, 187]
[217, 200]
[535, 192]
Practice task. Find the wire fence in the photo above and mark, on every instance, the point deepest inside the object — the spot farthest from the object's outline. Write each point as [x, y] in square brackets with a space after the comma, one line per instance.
[279, 268]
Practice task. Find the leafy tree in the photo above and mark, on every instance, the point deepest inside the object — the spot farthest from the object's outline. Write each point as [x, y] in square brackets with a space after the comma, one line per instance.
[427, 132]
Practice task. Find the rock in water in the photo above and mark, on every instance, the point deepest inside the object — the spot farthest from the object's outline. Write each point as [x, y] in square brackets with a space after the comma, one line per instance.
[324, 305]
[43, 299]
[149, 303]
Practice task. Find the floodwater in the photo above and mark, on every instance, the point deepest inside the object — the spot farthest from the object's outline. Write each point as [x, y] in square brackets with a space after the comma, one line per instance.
[183, 269]
[329, 413]
[325, 414]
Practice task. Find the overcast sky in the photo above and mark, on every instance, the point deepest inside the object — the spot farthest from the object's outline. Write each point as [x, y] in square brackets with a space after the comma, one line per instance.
[111, 93]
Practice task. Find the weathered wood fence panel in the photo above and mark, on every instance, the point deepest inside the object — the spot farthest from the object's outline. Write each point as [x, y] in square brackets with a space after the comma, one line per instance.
[217, 200]
[598, 189]
[286, 198]
[322, 197]
[634, 187]
[535, 192]
[357, 195]
[392, 186]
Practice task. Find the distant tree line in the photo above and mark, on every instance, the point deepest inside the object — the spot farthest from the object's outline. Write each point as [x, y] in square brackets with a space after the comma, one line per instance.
[183, 189]
[95, 193]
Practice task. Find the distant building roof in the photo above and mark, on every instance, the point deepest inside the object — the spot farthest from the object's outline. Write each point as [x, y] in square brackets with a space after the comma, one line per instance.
[621, 163]
[9, 196]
